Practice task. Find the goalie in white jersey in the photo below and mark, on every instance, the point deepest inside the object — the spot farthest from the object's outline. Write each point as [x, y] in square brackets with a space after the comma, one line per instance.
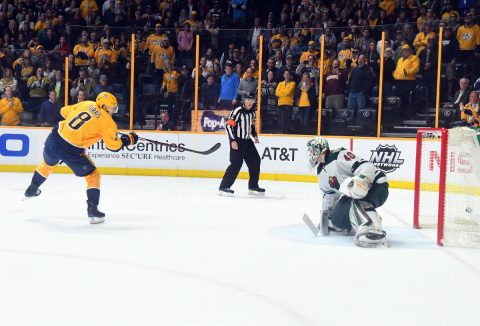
[352, 189]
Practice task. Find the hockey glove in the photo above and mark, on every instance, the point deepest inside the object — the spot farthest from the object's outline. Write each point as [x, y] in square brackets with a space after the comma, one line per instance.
[355, 187]
[129, 139]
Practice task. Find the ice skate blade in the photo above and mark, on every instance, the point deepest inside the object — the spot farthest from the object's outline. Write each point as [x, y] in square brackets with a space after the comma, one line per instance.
[225, 194]
[256, 193]
[97, 220]
[363, 244]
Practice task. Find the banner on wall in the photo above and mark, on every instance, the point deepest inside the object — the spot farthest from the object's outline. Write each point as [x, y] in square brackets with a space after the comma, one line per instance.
[285, 155]
[21, 147]
[212, 120]
[394, 157]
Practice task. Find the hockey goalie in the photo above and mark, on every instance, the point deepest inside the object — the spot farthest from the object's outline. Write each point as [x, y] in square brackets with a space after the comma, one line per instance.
[352, 190]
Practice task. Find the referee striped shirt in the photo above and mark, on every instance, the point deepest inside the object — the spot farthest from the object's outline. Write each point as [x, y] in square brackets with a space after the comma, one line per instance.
[241, 124]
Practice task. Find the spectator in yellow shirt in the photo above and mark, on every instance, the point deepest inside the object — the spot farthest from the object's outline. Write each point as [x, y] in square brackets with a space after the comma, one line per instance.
[422, 12]
[160, 53]
[345, 54]
[449, 12]
[311, 50]
[388, 6]
[470, 112]
[170, 87]
[155, 39]
[285, 92]
[10, 108]
[193, 21]
[281, 37]
[41, 23]
[405, 75]
[421, 40]
[306, 94]
[105, 53]
[83, 51]
[468, 37]
[38, 89]
[88, 8]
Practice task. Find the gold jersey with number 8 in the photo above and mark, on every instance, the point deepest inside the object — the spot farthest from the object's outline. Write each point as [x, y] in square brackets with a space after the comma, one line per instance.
[85, 124]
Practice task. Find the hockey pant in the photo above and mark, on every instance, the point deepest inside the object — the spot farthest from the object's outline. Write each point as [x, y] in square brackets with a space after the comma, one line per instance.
[57, 149]
[248, 152]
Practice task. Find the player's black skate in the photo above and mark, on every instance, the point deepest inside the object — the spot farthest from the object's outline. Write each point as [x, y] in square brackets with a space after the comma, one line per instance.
[94, 214]
[225, 192]
[256, 191]
[32, 191]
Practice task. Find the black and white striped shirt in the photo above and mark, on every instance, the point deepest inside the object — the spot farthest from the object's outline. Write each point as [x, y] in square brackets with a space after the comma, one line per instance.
[241, 124]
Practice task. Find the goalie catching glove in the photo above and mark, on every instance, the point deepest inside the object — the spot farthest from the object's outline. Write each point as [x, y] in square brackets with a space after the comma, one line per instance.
[129, 139]
[356, 187]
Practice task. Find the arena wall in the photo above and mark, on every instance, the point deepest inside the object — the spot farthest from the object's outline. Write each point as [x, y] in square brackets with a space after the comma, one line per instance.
[283, 157]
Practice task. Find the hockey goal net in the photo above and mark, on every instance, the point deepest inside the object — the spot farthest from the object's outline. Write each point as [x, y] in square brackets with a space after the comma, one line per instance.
[447, 185]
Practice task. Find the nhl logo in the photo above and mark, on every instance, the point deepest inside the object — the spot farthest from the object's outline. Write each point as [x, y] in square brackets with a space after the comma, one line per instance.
[386, 158]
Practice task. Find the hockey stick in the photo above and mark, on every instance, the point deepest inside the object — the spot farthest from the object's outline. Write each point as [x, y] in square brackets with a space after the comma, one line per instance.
[209, 151]
[310, 225]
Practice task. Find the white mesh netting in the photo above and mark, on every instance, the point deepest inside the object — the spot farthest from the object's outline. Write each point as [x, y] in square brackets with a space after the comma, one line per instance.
[429, 178]
[462, 186]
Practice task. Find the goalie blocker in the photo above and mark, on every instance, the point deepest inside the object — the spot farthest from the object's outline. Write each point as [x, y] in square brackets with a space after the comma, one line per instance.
[353, 188]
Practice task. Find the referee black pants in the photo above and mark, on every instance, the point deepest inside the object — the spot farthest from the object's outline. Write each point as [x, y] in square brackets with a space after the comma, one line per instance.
[248, 152]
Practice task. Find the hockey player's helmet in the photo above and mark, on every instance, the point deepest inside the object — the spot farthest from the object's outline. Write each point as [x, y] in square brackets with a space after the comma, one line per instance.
[108, 102]
[315, 147]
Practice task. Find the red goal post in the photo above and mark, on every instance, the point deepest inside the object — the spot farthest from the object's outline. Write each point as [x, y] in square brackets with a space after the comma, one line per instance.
[447, 185]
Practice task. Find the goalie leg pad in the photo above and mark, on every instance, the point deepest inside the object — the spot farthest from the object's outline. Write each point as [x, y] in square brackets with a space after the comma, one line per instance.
[323, 227]
[368, 225]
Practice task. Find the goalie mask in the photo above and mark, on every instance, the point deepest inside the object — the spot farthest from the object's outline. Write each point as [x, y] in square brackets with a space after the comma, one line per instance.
[315, 147]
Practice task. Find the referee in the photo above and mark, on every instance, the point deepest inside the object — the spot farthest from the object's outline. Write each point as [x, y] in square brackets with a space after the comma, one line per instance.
[240, 127]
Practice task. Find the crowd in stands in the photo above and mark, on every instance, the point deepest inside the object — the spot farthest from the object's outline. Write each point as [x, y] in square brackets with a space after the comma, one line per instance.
[95, 36]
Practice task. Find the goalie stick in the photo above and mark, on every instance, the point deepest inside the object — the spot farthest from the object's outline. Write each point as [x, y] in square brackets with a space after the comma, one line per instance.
[310, 225]
[209, 151]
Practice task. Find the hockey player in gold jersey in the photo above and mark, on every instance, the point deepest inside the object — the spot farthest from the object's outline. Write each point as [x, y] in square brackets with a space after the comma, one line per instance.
[85, 124]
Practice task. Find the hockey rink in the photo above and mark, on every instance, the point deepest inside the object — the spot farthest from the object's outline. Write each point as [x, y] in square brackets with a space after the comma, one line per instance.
[174, 253]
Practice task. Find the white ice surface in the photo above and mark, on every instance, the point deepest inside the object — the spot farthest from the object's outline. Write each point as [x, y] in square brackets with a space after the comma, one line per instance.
[173, 253]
